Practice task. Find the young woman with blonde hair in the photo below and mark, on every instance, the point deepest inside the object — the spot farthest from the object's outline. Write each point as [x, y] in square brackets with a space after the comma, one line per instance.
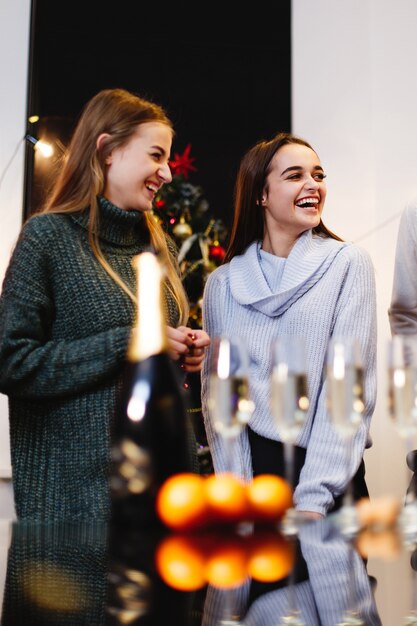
[68, 305]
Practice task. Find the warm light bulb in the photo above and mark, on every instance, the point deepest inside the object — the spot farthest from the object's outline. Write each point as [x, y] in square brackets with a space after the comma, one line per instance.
[44, 148]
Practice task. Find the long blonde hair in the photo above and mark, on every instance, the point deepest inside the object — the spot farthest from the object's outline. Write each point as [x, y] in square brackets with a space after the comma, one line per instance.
[118, 113]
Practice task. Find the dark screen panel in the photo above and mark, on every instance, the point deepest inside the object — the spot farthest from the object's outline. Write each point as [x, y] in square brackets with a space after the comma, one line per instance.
[223, 72]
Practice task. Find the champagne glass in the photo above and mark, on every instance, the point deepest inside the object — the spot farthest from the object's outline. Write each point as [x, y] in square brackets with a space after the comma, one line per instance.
[402, 398]
[289, 403]
[355, 570]
[411, 617]
[229, 402]
[346, 406]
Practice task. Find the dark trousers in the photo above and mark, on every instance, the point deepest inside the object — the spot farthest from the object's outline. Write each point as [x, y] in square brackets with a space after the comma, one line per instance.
[268, 458]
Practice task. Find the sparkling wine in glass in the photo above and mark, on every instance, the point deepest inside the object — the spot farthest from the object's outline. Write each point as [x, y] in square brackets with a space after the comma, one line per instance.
[402, 400]
[229, 401]
[402, 380]
[345, 385]
[345, 404]
[289, 401]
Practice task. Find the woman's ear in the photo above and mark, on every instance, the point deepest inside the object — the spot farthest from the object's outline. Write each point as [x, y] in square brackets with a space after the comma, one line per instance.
[101, 140]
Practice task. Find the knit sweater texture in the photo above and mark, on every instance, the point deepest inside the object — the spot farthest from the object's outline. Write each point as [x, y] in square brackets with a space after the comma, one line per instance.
[327, 289]
[403, 309]
[64, 566]
[64, 331]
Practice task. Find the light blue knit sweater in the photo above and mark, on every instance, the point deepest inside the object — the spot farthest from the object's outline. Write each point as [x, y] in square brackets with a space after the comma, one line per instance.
[327, 288]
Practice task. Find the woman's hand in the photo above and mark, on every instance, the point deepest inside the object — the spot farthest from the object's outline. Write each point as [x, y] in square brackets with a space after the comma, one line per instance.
[193, 359]
[188, 344]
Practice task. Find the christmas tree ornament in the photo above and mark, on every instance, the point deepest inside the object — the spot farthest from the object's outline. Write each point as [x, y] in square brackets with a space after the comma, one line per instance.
[182, 229]
[182, 164]
[216, 253]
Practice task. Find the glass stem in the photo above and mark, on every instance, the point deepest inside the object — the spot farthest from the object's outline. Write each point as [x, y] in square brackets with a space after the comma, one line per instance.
[349, 494]
[289, 450]
[292, 602]
[289, 522]
[230, 447]
[348, 500]
[410, 496]
[352, 605]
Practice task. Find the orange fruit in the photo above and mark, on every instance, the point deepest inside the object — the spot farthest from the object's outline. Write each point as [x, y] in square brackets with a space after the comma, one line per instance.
[381, 512]
[381, 543]
[226, 497]
[226, 565]
[181, 503]
[271, 557]
[269, 497]
[180, 563]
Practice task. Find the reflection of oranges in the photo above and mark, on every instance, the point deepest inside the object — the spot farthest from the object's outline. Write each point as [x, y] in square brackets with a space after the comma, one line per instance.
[269, 497]
[180, 563]
[181, 502]
[384, 543]
[226, 497]
[271, 557]
[226, 565]
[188, 562]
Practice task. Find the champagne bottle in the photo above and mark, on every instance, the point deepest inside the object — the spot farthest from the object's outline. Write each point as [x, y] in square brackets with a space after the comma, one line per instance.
[150, 439]
[136, 594]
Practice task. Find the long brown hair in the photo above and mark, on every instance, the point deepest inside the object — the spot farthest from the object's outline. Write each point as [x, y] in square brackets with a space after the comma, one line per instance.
[118, 113]
[248, 218]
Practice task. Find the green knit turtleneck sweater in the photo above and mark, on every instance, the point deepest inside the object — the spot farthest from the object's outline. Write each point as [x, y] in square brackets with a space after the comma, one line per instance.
[64, 331]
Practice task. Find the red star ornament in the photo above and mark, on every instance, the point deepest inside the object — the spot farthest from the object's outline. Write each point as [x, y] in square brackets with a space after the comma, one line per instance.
[182, 163]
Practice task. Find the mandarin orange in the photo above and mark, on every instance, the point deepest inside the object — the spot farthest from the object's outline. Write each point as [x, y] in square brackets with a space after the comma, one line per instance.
[269, 497]
[181, 502]
[226, 497]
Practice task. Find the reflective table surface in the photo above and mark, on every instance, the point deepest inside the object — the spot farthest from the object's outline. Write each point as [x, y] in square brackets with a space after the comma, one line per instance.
[92, 573]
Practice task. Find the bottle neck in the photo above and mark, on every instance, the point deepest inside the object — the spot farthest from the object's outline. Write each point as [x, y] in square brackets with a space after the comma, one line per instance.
[149, 334]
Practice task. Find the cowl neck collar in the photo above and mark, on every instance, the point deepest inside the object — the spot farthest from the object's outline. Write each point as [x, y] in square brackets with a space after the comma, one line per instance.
[116, 225]
[308, 260]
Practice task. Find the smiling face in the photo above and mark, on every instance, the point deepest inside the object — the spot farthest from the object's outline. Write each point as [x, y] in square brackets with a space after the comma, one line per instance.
[293, 197]
[138, 169]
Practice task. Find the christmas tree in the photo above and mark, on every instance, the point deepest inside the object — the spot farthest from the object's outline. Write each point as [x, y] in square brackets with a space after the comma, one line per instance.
[183, 210]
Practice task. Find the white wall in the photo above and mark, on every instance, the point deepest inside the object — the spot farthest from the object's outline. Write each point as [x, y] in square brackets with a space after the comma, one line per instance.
[355, 100]
[14, 45]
